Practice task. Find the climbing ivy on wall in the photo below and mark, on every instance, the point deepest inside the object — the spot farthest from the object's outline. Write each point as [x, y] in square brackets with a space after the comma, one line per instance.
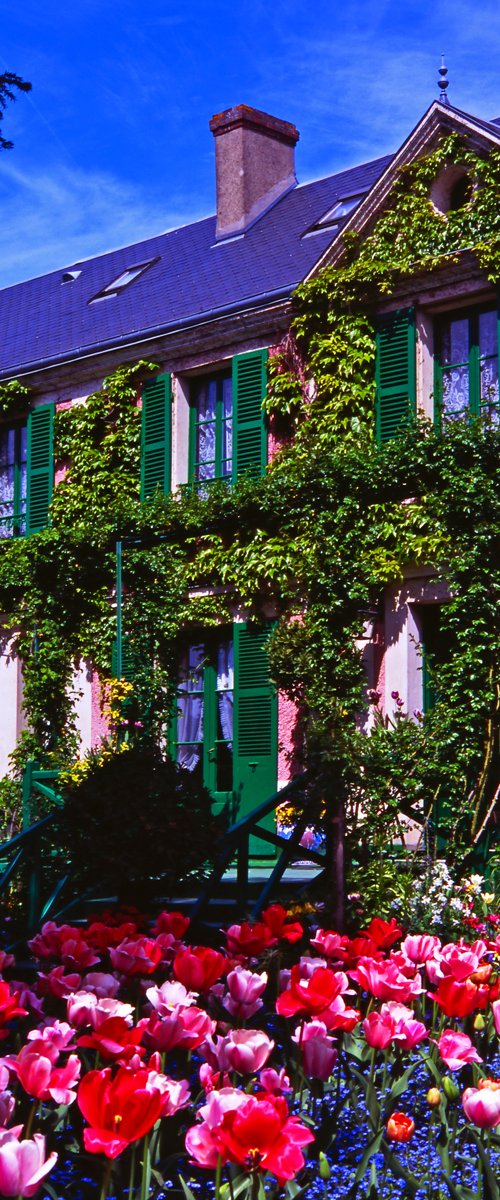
[335, 519]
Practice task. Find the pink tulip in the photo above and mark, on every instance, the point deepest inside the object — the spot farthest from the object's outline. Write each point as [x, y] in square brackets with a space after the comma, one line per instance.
[201, 1140]
[139, 956]
[245, 989]
[481, 1105]
[184, 1027]
[456, 1049]
[169, 997]
[23, 1164]
[101, 983]
[318, 1053]
[385, 980]
[40, 1078]
[408, 1031]
[496, 1015]
[274, 1082]
[58, 983]
[419, 947]
[52, 1039]
[243, 1050]
[379, 1030]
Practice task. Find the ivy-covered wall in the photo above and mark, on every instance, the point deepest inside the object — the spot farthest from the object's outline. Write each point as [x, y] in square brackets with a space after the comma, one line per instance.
[334, 522]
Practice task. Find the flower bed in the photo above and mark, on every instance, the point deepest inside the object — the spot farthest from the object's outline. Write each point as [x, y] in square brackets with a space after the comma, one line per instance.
[291, 1062]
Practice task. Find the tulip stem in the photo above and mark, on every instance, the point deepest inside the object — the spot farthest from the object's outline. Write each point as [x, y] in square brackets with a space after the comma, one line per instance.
[146, 1169]
[218, 1176]
[132, 1172]
[106, 1178]
[31, 1117]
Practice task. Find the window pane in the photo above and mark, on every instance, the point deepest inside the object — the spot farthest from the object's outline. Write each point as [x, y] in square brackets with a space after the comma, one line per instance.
[225, 693]
[455, 391]
[455, 341]
[7, 475]
[489, 387]
[190, 710]
[205, 400]
[205, 449]
[488, 333]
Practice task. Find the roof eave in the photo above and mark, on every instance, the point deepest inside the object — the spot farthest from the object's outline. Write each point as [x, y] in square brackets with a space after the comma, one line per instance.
[438, 116]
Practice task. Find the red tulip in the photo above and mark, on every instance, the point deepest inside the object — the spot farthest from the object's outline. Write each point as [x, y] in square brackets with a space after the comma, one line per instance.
[119, 1110]
[9, 1006]
[199, 967]
[114, 1039]
[459, 999]
[383, 933]
[275, 917]
[172, 922]
[310, 996]
[400, 1127]
[261, 1136]
[248, 941]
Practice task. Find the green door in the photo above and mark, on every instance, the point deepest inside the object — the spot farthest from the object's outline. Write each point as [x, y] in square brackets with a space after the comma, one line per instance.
[226, 724]
[255, 727]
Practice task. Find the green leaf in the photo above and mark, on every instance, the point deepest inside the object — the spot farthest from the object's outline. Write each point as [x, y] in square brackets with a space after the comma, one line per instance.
[187, 1191]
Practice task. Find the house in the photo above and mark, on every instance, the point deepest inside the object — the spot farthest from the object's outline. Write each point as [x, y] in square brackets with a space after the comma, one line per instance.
[207, 302]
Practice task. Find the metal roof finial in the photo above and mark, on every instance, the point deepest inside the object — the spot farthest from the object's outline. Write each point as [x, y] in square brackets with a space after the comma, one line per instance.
[443, 82]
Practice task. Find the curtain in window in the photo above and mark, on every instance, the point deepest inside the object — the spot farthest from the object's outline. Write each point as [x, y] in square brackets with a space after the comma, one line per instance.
[225, 689]
[190, 710]
[7, 468]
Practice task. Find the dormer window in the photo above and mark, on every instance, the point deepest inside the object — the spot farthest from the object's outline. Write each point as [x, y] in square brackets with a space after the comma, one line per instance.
[336, 215]
[122, 281]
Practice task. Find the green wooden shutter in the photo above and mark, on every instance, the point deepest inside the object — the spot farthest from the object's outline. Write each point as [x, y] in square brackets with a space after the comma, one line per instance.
[249, 430]
[255, 726]
[40, 467]
[395, 373]
[156, 440]
[127, 671]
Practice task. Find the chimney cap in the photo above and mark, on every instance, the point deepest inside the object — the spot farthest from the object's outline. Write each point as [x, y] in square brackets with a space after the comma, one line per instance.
[252, 118]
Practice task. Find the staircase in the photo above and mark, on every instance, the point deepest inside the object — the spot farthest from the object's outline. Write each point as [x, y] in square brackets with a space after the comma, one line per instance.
[240, 884]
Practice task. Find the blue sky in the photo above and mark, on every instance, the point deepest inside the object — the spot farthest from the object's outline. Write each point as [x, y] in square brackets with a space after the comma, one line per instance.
[113, 142]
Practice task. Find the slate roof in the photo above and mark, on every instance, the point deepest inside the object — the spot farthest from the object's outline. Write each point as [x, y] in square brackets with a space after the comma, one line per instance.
[44, 320]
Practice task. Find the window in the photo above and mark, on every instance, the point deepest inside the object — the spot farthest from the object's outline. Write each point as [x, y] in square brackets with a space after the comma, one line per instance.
[122, 281]
[467, 365]
[228, 431]
[211, 429]
[204, 734]
[225, 728]
[13, 480]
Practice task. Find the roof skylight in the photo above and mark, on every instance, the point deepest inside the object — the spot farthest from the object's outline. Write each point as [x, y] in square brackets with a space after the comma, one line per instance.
[340, 209]
[335, 216]
[122, 281]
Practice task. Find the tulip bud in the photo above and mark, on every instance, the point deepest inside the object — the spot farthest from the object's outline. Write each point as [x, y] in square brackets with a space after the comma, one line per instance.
[450, 1088]
[325, 1172]
[400, 1127]
[434, 1097]
[479, 1022]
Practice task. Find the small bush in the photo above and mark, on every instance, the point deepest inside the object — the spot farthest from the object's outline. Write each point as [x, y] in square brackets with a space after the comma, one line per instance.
[138, 822]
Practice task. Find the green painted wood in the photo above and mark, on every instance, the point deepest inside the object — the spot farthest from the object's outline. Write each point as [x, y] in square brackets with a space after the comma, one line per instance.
[255, 727]
[250, 431]
[40, 467]
[395, 373]
[156, 437]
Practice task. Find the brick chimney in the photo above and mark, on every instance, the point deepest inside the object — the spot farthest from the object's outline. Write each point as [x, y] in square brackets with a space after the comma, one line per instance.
[254, 164]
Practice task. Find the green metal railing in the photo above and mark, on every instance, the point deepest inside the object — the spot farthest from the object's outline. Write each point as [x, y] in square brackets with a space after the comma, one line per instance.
[23, 858]
[236, 849]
